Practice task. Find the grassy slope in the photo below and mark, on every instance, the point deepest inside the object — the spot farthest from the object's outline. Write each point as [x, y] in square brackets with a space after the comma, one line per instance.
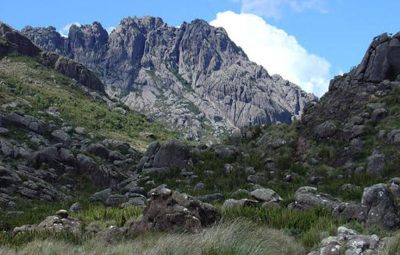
[22, 79]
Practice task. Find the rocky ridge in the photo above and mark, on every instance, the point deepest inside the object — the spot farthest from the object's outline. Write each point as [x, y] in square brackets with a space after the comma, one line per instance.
[14, 42]
[193, 76]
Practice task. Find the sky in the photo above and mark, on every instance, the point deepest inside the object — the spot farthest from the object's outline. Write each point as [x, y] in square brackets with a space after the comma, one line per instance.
[305, 41]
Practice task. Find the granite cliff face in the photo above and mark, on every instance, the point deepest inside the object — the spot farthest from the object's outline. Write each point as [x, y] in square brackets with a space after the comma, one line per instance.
[193, 77]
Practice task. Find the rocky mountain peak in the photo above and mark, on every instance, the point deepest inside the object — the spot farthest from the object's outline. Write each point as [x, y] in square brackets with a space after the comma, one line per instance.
[381, 60]
[192, 76]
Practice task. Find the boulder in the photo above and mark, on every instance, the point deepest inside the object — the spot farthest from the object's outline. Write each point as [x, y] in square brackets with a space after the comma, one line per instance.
[394, 136]
[256, 178]
[86, 163]
[67, 156]
[379, 114]
[266, 195]
[26, 121]
[48, 155]
[308, 197]
[381, 209]
[199, 186]
[61, 136]
[99, 150]
[225, 152]
[172, 211]
[54, 223]
[63, 214]
[375, 164]
[139, 201]
[234, 203]
[101, 195]
[325, 129]
[173, 154]
[112, 234]
[75, 207]
[349, 242]
[115, 200]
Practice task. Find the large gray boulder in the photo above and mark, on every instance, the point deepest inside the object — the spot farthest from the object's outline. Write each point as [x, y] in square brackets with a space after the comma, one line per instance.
[172, 211]
[380, 207]
[266, 195]
[309, 197]
[172, 154]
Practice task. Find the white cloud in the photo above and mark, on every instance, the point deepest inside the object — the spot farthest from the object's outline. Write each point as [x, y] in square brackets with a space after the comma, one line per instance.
[277, 51]
[274, 8]
[110, 29]
[64, 31]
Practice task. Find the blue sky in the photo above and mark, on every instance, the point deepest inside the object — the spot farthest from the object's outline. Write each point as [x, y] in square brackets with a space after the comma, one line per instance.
[336, 32]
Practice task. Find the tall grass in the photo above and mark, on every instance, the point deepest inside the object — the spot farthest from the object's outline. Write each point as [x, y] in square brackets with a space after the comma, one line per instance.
[236, 237]
[307, 226]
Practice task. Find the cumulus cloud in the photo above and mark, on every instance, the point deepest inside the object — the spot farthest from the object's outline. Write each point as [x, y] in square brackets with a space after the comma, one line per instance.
[274, 8]
[279, 52]
[64, 31]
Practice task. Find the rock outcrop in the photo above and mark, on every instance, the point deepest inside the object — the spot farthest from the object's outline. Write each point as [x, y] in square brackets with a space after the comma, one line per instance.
[61, 222]
[191, 76]
[172, 211]
[353, 100]
[11, 41]
[50, 162]
[348, 241]
[380, 207]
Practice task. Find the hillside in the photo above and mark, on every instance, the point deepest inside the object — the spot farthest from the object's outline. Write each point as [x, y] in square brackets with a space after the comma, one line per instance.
[325, 184]
[192, 77]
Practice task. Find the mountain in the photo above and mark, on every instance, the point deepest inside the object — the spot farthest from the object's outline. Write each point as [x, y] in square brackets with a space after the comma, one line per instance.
[359, 104]
[192, 76]
[59, 131]
[65, 144]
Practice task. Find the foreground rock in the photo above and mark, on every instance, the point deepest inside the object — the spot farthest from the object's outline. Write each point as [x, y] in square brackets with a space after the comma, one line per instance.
[57, 223]
[380, 207]
[377, 208]
[309, 197]
[349, 242]
[172, 211]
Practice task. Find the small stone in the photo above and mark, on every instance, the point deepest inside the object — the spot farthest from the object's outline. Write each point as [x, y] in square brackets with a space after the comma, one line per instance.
[199, 186]
[75, 207]
[379, 114]
[63, 214]
[80, 130]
